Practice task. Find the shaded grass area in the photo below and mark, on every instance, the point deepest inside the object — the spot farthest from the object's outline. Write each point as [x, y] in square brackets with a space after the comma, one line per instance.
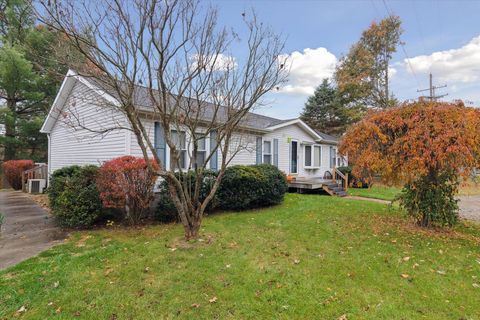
[376, 192]
[313, 257]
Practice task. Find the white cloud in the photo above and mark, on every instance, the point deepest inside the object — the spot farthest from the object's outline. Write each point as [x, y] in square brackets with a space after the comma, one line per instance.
[455, 65]
[219, 62]
[307, 70]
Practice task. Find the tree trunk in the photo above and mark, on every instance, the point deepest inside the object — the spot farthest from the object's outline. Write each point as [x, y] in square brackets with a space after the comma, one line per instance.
[192, 229]
[10, 129]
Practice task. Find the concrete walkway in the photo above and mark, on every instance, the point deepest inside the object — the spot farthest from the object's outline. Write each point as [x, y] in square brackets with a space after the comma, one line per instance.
[27, 229]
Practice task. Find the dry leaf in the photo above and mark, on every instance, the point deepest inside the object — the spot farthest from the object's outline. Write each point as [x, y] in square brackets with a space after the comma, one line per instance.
[343, 317]
[404, 275]
[296, 261]
[195, 305]
[108, 271]
[213, 300]
[22, 309]
[441, 272]
[406, 259]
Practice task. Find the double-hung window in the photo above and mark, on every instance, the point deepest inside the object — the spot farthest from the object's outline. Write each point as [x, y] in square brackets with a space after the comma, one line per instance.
[180, 140]
[313, 156]
[267, 152]
[317, 156]
[201, 151]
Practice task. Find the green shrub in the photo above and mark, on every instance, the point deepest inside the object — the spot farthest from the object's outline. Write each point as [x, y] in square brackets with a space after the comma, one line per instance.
[57, 183]
[74, 197]
[353, 181]
[247, 187]
[431, 199]
[166, 211]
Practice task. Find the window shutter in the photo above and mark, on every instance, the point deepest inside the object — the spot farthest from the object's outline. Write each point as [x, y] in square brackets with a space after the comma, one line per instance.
[160, 144]
[259, 151]
[275, 152]
[213, 145]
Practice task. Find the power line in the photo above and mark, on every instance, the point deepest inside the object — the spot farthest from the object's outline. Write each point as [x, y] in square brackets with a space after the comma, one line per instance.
[431, 89]
[402, 46]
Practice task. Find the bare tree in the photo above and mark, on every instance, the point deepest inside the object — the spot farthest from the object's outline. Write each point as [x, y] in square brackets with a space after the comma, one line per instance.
[191, 81]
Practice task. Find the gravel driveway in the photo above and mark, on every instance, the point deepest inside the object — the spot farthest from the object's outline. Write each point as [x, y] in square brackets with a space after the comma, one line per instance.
[470, 207]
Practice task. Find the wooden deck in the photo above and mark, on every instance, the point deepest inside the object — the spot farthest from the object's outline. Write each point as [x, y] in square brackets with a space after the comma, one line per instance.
[309, 183]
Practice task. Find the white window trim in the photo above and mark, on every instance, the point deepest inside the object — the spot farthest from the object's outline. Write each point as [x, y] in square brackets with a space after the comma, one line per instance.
[290, 157]
[207, 147]
[267, 154]
[312, 156]
[187, 152]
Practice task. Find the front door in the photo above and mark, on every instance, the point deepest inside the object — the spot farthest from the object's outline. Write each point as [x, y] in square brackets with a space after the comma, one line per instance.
[293, 157]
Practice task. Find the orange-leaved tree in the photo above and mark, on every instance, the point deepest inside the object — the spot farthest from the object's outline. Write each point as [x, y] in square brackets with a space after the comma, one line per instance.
[427, 146]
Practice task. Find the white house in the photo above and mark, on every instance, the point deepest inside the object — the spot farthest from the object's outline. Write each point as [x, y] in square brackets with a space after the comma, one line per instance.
[291, 145]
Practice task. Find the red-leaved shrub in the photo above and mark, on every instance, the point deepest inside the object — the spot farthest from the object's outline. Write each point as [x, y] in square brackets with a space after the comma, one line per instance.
[13, 169]
[127, 183]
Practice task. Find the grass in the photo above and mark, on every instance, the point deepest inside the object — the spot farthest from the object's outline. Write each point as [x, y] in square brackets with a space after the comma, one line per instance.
[376, 192]
[312, 257]
[382, 192]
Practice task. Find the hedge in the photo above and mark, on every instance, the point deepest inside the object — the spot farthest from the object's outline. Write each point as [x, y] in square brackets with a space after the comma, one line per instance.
[242, 187]
[247, 187]
[74, 197]
[13, 170]
[166, 211]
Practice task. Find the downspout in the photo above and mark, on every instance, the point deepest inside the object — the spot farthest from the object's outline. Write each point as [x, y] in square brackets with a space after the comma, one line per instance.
[49, 165]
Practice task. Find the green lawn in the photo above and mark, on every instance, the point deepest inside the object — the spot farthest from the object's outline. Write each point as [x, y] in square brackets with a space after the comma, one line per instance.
[313, 257]
[376, 192]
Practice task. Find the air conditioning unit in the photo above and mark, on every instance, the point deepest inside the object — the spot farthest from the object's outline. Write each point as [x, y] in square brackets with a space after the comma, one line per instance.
[36, 185]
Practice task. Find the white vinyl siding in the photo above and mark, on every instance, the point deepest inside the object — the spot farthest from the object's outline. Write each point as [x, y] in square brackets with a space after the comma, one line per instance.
[70, 144]
[295, 132]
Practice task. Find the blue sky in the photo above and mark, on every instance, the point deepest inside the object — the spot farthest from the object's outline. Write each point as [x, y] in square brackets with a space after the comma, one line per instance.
[440, 36]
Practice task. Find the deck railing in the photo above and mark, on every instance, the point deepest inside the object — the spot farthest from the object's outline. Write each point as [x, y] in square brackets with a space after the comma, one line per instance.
[40, 171]
[339, 176]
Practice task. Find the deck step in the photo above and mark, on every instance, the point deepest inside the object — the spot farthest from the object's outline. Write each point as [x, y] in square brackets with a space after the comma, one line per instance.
[334, 189]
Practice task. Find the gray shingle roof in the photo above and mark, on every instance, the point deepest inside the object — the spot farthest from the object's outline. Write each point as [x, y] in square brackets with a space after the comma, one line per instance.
[252, 120]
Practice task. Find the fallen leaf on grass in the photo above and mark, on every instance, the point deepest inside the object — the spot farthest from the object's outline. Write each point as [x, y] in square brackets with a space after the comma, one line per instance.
[343, 317]
[406, 259]
[213, 300]
[195, 305]
[441, 272]
[296, 261]
[476, 285]
[404, 276]
[22, 309]
[108, 271]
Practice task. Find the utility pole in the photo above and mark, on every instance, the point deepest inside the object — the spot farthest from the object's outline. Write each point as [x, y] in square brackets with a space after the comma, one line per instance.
[432, 97]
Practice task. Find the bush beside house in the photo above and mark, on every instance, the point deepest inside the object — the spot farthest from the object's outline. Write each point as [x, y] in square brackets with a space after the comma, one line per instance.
[74, 197]
[166, 211]
[78, 195]
[127, 183]
[242, 187]
[13, 170]
[248, 187]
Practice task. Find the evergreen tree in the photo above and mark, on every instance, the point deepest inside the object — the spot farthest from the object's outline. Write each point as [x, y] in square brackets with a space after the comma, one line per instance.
[326, 110]
[33, 62]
